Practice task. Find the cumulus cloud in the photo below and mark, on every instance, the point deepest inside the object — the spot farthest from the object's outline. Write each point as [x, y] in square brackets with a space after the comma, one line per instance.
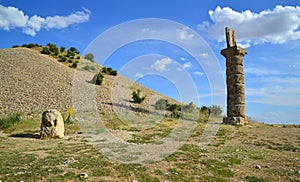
[11, 18]
[139, 75]
[278, 25]
[161, 65]
[198, 73]
[187, 65]
[185, 34]
[204, 55]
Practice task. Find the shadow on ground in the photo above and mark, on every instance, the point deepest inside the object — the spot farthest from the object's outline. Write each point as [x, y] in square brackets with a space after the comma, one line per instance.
[25, 135]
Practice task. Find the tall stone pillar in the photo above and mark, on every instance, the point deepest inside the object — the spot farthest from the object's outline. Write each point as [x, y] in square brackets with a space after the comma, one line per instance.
[236, 105]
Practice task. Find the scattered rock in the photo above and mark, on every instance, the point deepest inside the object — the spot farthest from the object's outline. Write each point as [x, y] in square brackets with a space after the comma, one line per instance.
[257, 166]
[52, 124]
[83, 175]
[297, 172]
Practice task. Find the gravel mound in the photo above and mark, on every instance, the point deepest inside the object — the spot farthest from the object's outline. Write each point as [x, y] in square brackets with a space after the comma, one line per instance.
[31, 82]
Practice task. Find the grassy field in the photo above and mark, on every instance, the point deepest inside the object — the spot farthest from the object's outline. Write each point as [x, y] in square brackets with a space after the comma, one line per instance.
[256, 152]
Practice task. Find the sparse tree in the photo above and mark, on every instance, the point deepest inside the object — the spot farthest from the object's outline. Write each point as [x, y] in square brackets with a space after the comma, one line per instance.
[89, 56]
[161, 104]
[137, 98]
[74, 50]
[99, 79]
[189, 107]
[216, 110]
[62, 49]
[205, 110]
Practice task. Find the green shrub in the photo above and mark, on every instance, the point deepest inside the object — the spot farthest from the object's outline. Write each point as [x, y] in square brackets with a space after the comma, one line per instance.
[114, 73]
[173, 107]
[62, 49]
[46, 50]
[89, 68]
[99, 79]
[62, 59]
[104, 70]
[14, 46]
[205, 110]
[9, 121]
[70, 53]
[109, 71]
[53, 48]
[136, 97]
[89, 56]
[216, 110]
[161, 104]
[175, 114]
[189, 107]
[74, 50]
[74, 65]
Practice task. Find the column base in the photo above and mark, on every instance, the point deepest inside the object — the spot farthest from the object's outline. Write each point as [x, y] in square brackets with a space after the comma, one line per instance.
[234, 120]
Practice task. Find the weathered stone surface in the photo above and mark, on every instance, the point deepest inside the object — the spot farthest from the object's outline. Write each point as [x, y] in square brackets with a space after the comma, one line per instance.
[234, 120]
[236, 105]
[52, 125]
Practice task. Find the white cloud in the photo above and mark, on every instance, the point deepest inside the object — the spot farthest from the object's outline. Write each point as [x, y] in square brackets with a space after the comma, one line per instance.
[161, 65]
[187, 65]
[204, 55]
[276, 26]
[182, 59]
[198, 73]
[185, 34]
[11, 18]
[139, 75]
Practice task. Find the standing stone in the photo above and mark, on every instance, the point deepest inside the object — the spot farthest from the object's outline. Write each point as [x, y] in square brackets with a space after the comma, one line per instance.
[236, 105]
[52, 125]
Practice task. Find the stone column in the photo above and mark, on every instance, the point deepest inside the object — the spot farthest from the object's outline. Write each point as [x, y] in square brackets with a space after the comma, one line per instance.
[236, 105]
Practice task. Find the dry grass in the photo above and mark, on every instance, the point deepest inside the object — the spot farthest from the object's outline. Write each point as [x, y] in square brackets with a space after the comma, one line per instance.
[256, 152]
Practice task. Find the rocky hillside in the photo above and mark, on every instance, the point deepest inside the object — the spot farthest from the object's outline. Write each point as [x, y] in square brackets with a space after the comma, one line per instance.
[32, 82]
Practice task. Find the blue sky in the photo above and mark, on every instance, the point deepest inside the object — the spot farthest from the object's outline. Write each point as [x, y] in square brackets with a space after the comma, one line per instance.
[269, 29]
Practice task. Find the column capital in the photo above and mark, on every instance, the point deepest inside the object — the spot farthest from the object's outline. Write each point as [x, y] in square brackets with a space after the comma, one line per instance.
[234, 51]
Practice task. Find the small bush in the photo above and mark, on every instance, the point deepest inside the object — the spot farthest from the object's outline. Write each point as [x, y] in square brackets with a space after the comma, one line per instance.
[189, 107]
[62, 59]
[205, 110]
[89, 56]
[109, 71]
[114, 73]
[175, 114]
[62, 49]
[74, 65]
[99, 79]
[89, 68]
[15, 46]
[74, 50]
[9, 121]
[136, 97]
[69, 119]
[173, 107]
[46, 50]
[216, 110]
[161, 104]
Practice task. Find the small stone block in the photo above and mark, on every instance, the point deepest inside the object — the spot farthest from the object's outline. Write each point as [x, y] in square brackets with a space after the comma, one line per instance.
[234, 120]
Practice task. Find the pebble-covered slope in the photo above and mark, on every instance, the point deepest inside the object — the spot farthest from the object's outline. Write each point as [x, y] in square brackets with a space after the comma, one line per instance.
[31, 82]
